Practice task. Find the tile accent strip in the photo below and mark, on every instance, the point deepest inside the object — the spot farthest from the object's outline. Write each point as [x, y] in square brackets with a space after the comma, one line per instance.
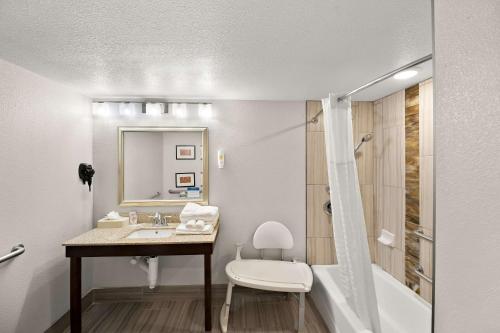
[412, 186]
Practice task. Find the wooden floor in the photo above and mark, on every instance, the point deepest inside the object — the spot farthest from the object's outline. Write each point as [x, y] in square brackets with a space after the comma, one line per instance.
[182, 311]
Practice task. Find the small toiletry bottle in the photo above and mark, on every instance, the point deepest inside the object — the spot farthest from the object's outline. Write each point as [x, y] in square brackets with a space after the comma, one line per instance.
[132, 217]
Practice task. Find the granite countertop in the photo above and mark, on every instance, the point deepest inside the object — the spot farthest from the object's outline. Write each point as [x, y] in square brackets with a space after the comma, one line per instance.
[116, 236]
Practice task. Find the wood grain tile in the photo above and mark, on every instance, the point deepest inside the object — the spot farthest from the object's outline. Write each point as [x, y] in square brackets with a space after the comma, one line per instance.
[392, 261]
[394, 156]
[319, 224]
[393, 214]
[426, 263]
[426, 117]
[321, 251]
[426, 194]
[394, 109]
[362, 117]
[368, 209]
[398, 265]
[372, 244]
[313, 107]
[412, 185]
[251, 311]
[378, 183]
[316, 159]
[426, 290]
[426, 257]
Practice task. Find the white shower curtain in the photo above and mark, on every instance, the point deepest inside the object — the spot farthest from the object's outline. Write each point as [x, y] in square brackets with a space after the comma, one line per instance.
[351, 241]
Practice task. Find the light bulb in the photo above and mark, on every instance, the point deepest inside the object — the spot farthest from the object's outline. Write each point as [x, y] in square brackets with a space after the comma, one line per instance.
[101, 109]
[125, 109]
[179, 110]
[154, 109]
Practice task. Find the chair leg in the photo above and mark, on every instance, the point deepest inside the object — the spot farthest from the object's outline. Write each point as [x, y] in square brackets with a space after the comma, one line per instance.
[300, 327]
[224, 312]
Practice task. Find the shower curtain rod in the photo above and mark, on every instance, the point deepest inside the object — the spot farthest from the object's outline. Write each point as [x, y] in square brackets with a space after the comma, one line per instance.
[377, 80]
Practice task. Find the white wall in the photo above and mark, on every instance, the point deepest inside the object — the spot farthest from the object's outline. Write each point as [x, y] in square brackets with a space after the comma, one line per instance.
[264, 178]
[45, 132]
[467, 165]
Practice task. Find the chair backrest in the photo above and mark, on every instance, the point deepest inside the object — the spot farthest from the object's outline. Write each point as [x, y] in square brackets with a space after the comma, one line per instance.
[272, 235]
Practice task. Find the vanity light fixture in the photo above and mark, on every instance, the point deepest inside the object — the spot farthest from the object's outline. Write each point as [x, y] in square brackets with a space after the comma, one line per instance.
[179, 110]
[405, 75]
[101, 109]
[155, 109]
[205, 110]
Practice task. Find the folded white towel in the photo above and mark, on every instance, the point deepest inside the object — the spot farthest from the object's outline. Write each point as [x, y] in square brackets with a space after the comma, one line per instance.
[207, 219]
[182, 229]
[195, 225]
[194, 211]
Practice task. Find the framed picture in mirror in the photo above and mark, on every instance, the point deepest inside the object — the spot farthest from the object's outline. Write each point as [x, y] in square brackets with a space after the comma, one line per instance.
[186, 179]
[185, 152]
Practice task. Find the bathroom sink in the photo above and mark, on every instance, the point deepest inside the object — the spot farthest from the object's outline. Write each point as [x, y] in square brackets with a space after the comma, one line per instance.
[149, 233]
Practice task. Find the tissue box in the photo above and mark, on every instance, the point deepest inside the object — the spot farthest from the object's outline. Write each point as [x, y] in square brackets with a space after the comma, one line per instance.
[107, 223]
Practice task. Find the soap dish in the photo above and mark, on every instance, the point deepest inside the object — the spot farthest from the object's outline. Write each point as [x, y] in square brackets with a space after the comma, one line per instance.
[386, 238]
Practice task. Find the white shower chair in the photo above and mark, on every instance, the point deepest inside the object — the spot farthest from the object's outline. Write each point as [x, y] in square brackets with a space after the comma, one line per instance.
[273, 275]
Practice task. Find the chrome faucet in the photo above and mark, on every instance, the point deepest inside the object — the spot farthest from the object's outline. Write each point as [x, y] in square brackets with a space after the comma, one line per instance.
[159, 221]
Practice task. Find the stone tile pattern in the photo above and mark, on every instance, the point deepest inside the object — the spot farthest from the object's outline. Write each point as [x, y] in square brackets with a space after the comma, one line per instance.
[412, 186]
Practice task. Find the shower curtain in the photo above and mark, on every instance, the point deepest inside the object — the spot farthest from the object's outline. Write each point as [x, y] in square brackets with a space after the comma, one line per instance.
[351, 241]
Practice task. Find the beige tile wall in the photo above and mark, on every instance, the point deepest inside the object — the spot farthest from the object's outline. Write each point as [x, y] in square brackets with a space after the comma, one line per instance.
[426, 183]
[389, 180]
[320, 244]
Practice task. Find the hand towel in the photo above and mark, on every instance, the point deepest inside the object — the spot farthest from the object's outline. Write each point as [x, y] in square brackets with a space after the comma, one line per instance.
[195, 225]
[182, 229]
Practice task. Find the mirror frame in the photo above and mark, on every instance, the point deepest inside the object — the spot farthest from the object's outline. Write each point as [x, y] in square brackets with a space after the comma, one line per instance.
[175, 202]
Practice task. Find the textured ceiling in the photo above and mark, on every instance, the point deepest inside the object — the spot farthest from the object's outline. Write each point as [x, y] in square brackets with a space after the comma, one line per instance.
[278, 50]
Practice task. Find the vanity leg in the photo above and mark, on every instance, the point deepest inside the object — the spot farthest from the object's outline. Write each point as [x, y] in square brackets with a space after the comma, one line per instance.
[208, 292]
[76, 294]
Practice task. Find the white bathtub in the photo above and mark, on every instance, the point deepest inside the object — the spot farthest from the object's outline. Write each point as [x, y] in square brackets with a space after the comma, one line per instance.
[400, 309]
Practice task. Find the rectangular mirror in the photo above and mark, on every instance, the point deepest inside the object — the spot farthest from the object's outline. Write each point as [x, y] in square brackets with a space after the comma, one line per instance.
[162, 166]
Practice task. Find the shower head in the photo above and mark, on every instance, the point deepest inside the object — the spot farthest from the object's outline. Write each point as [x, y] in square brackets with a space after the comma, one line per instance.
[364, 139]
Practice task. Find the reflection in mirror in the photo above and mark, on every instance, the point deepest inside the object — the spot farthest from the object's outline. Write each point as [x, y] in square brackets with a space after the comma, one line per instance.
[162, 166]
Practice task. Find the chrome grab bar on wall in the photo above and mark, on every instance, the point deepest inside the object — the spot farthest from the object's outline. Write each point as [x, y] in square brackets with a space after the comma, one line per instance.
[420, 272]
[16, 250]
[156, 195]
[421, 234]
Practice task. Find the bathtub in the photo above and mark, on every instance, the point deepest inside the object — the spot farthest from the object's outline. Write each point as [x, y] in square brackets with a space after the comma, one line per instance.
[400, 309]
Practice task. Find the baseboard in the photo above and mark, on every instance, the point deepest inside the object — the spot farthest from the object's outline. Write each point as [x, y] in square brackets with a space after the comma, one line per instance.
[62, 323]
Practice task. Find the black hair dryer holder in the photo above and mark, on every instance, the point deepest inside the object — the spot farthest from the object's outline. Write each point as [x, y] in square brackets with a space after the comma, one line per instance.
[86, 172]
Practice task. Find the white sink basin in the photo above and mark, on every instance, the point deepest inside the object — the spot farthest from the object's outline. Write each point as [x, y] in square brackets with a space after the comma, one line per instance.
[149, 233]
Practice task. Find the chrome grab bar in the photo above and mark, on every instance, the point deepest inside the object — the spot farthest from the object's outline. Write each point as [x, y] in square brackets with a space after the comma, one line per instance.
[421, 234]
[156, 195]
[16, 250]
[420, 272]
